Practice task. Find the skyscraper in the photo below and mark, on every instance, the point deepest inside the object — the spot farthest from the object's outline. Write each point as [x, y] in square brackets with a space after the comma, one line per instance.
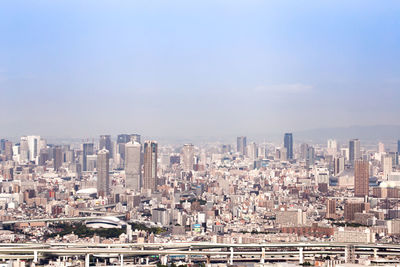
[310, 158]
[24, 150]
[338, 165]
[8, 152]
[33, 144]
[57, 157]
[252, 151]
[332, 147]
[87, 150]
[103, 177]
[387, 167]
[361, 178]
[133, 171]
[331, 208]
[398, 146]
[288, 144]
[241, 144]
[105, 142]
[150, 165]
[354, 150]
[187, 157]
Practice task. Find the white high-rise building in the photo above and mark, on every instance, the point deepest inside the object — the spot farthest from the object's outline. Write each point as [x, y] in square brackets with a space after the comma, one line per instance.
[187, 157]
[252, 151]
[133, 170]
[387, 167]
[332, 147]
[24, 150]
[33, 144]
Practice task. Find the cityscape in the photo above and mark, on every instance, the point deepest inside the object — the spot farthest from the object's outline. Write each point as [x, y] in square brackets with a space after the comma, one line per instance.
[212, 133]
[125, 201]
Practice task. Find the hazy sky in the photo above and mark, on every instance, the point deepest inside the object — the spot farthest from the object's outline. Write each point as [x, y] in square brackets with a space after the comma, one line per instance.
[197, 68]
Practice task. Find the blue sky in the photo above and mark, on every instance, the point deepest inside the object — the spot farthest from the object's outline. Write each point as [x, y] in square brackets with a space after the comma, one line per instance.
[197, 68]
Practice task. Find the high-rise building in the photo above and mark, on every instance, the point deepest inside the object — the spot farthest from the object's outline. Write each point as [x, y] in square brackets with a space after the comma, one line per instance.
[288, 144]
[361, 178]
[33, 144]
[150, 165]
[57, 157]
[105, 143]
[387, 167]
[252, 151]
[8, 152]
[398, 146]
[241, 145]
[332, 147]
[310, 158]
[133, 170]
[338, 165]
[354, 150]
[103, 176]
[122, 139]
[331, 208]
[2, 144]
[24, 150]
[303, 151]
[88, 149]
[187, 157]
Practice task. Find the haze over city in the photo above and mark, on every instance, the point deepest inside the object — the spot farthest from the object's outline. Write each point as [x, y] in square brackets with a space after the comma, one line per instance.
[197, 68]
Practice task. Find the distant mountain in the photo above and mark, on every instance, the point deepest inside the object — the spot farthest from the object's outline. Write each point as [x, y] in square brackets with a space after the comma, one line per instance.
[388, 133]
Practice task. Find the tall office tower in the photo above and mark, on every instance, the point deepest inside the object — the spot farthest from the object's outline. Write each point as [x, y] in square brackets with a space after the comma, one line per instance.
[24, 150]
[8, 151]
[303, 151]
[133, 170]
[135, 137]
[331, 208]
[187, 157]
[103, 176]
[288, 144]
[338, 165]
[33, 144]
[150, 165]
[332, 147]
[57, 157]
[44, 156]
[361, 178]
[387, 167]
[252, 151]
[105, 142]
[395, 158]
[262, 151]
[310, 158]
[398, 146]
[241, 144]
[354, 150]
[88, 149]
[122, 139]
[2, 144]
[381, 147]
